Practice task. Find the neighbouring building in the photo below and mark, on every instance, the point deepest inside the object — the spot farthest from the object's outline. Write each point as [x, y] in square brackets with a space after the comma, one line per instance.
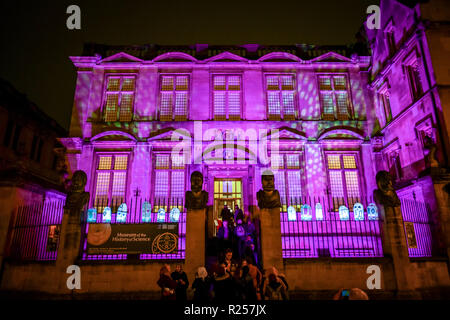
[323, 119]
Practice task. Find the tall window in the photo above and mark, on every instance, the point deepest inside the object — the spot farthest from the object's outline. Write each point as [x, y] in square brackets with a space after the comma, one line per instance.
[413, 74]
[227, 97]
[280, 96]
[169, 181]
[36, 148]
[119, 98]
[111, 181]
[334, 97]
[390, 41]
[173, 101]
[288, 179]
[343, 177]
[395, 166]
[385, 105]
[8, 133]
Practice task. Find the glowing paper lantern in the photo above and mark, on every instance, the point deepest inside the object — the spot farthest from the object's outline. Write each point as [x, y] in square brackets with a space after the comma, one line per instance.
[92, 215]
[292, 214]
[122, 213]
[344, 213]
[358, 211]
[146, 212]
[319, 212]
[161, 215]
[372, 211]
[106, 215]
[306, 214]
[174, 215]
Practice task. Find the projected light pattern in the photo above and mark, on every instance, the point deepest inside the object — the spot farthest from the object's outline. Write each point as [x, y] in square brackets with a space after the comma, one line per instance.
[331, 237]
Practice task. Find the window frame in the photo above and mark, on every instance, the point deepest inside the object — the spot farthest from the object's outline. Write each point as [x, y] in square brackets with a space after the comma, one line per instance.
[281, 116]
[95, 169]
[173, 91]
[336, 115]
[241, 96]
[167, 206]
[359, 169]
[121, 76]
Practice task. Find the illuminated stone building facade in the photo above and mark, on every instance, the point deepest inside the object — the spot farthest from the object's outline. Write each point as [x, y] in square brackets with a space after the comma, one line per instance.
[325, 120]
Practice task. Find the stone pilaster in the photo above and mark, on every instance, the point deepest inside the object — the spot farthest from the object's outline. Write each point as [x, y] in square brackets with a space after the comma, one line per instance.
[195, 241]
[271, 238]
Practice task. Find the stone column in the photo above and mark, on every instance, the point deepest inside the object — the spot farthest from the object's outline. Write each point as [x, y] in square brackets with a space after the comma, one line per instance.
[195, 240]
[394, 239]
[271, 238]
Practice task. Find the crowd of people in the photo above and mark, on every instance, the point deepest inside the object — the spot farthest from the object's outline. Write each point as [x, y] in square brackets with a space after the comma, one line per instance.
[236, 275]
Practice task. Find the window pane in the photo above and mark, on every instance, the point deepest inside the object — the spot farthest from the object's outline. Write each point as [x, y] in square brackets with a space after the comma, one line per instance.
[274, 102]
[112, 100]
[234, 83]
[126, 106]
[272, 83]
[177, 187]
[337, 187]
[342, 102]
[219, 83]
[181, 104]
[104, 163]
[219, 103]
[277, 161]
[327, 103]
[182, 83]
[293, 161]
[287, 83]
[167, 83]
[339, 83]
[166, 104]
[351, 179]
[118, 186]
[288, 102]
[128, 84]
[162, 184]
[325, 83]
[234, 103]
[120, 163]
[334, 162]
[162, 161]
[280, 185]
[177, 162]
[295, 189]
[113, 84]
[102, 186]
[349, 162]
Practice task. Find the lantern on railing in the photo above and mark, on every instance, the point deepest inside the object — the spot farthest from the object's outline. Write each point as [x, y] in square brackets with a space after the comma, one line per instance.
[122, 213]
[92, 215]
[344, 213]
[372, 211]
[292, 214]
[161, 217]
[358, 211]
[319, 212]
[106, 217]
[305, 213]
[174, 215]
[146, 212]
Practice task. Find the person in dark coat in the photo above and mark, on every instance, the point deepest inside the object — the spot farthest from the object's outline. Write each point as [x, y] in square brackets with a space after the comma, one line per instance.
[225, 236]
[238, 214]
[201, 285]
[248, 289]
[167, 284]
[223, 286]
[275, 289]
[182, 283]
[226, 214]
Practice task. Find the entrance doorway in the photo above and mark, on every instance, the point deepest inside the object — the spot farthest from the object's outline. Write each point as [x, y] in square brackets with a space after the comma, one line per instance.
[226, 191]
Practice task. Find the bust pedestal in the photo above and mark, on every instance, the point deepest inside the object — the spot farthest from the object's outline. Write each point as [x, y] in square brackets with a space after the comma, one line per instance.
[195, 241]
[271, 238]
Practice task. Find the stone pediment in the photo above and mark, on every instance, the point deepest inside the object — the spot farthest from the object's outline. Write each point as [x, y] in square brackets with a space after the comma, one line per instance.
[120, 57]
[166, 134]
[286, 133]
[331, 57]
[226, 57]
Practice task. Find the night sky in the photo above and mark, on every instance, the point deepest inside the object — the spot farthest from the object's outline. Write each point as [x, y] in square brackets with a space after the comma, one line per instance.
[36, 44]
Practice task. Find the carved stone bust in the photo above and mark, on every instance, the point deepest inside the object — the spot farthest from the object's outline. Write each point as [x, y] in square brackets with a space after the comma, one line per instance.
[77, 197]
[196, 198]
[268, 197]
[385, 194]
